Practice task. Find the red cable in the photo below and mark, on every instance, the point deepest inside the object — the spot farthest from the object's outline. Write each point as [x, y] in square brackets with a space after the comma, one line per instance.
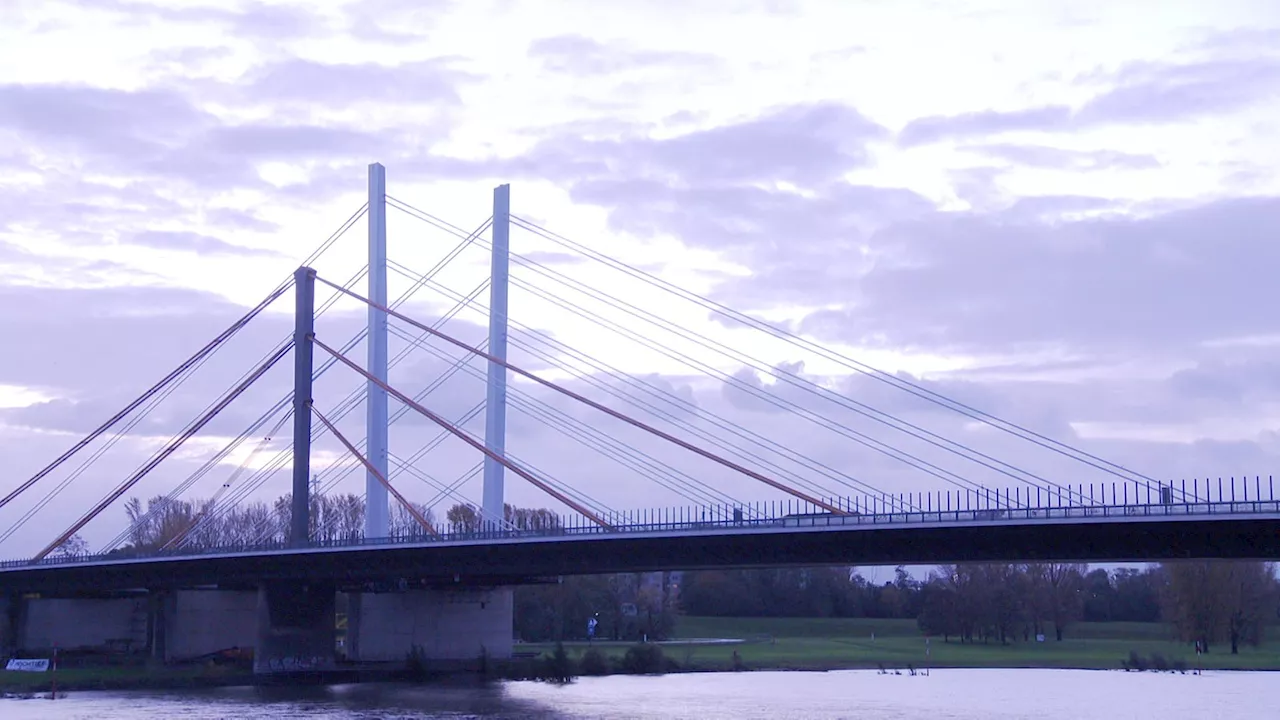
[465, 437]
[144, 396]
[602, 408]
[167, 451]
[369, 466]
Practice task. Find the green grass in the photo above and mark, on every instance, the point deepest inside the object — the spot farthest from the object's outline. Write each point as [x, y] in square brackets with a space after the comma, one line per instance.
[719, 627]
[111, 678]
[825, 644]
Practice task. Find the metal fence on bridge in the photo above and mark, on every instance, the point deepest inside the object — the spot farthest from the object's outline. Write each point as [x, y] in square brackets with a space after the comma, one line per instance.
[1196, 498]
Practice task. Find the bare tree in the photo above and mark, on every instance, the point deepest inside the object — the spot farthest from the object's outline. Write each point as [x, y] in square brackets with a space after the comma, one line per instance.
[244, 525]
[531, 518]
[348, 516]
[1212, 601]
[74, 546]
[463, 518]
[137, 530]
[165, 519]
[404, 525]
[1057, 594]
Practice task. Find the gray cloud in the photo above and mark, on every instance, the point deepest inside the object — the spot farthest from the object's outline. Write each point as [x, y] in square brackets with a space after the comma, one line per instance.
[579, 55]
[165, 155]
[24, 268]
[1134, 284]
[296, 79]
[1052, 207]
[97, 121]
[287, 142]
[806, 145]
[121, 326]
[1154, 92]
[394, 22]
[547, 257]
[693, 182]
[96, 349]
[161, 134]
[11, 252]
[252, 20]
[747, 392]
[1229, 383]
[191, 242]
[1043, 156]
[1141, 93]
[238, 219]
[164, 132]
[893, 271]
[186, 58]
[98, 207]
[985, 122]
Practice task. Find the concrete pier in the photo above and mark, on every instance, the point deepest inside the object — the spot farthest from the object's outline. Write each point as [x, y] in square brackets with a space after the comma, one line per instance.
[199, 622]
[83, 622]
[12, 620]
[166, 625]
[295, 628]
[290, 627]
[447, 625]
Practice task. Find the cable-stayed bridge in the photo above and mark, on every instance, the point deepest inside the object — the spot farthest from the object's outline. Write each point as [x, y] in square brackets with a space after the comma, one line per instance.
[282, 569]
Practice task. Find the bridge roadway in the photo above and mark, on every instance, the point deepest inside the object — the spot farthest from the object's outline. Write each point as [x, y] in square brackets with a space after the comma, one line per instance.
[1115, 533]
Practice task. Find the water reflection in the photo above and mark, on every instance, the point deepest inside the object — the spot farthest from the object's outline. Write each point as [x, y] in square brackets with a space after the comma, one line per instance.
[946, 695]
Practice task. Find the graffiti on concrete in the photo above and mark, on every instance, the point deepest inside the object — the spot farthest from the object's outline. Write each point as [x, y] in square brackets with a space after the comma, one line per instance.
[294, 663]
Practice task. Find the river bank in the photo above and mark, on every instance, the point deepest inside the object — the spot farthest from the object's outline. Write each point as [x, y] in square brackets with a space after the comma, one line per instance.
[861, 643]
[717, 645]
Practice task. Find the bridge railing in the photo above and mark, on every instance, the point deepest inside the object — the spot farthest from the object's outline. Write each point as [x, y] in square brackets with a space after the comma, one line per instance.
[720, 518]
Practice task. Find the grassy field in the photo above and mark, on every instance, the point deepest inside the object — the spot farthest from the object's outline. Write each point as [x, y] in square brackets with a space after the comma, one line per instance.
[790, 644]
[825, 644]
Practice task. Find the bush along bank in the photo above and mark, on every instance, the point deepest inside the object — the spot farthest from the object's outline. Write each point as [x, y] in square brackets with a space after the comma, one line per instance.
[559, 667]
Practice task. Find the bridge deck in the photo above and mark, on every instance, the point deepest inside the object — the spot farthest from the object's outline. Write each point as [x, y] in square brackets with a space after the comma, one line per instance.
[1083, 533]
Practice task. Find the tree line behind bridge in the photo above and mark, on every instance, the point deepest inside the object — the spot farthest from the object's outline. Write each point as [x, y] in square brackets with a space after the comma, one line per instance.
[1206, 602]
[1210, 602]
[165, 523]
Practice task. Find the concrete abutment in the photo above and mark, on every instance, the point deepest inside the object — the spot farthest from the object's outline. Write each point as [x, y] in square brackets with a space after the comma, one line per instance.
[447, 625]
[296, 628]
[290, 627]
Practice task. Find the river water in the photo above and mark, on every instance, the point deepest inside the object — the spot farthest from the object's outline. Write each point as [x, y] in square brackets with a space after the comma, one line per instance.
[944, 695]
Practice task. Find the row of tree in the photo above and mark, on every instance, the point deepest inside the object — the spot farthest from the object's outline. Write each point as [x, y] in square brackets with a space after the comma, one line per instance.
[625, 607]
[1124, 595]
[798, 592]
[1000, 601]
[164, 523]
[168, 523]
[1207, 602]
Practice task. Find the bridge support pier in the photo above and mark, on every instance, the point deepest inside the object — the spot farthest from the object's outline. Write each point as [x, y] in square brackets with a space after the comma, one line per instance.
[159, 617]
[199, 622]
[296, 628]
[163, 625]
[12, 612]
[90, 622]
[450, 627]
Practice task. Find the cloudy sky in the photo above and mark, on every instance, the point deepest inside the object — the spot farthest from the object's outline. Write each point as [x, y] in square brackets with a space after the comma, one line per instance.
[1060, 213]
